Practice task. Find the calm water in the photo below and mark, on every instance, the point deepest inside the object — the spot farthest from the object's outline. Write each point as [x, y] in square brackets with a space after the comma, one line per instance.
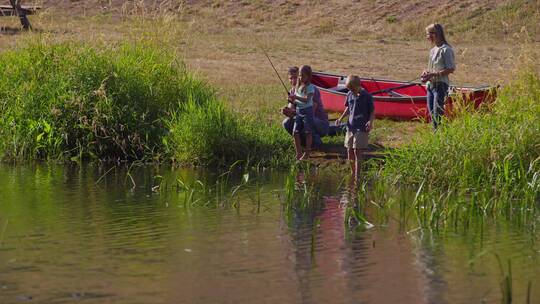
[71, 234]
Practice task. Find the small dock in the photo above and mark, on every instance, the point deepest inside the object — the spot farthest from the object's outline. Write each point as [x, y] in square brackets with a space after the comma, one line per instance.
[332, 152]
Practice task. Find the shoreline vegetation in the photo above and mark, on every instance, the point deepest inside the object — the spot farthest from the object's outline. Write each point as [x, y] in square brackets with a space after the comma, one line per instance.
[138, 102]
[130, 102]
[480, 163]
[114, 85]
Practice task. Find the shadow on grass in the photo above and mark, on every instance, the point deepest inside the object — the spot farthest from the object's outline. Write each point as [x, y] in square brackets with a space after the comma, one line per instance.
[12, 31]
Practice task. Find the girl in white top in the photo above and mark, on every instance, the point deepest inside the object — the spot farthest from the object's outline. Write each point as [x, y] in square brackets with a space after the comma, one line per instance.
[303, 120]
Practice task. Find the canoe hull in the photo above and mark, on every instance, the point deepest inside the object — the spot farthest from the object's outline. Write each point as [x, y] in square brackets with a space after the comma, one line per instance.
[406, 102]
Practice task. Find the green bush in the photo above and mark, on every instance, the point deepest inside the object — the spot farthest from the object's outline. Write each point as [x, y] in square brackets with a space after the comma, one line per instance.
[211, 135]
[68, 100]
[128, 102]
[495, 154]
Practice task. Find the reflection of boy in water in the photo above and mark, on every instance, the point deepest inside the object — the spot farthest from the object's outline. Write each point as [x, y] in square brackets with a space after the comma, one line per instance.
[343, 268]
[318, 240]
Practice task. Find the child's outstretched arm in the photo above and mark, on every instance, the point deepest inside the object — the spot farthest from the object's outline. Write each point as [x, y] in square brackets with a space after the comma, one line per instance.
[346, 112]
[369, 124]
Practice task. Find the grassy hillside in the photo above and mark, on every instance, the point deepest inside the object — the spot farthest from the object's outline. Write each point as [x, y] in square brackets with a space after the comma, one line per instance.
[395, 18]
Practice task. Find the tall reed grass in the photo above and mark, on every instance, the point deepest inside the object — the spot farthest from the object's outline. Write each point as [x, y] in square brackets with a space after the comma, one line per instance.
[67, 100]
[479, 163]
[62, 101]
[213, 135]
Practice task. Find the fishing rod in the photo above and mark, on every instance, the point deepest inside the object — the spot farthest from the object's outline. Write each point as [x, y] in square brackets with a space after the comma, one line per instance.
[409, 83]
[273, 67]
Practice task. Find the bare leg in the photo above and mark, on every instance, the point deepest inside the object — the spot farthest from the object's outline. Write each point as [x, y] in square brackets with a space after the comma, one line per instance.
[309, 140]
[358, 162]
[351, 157]
[297, 145]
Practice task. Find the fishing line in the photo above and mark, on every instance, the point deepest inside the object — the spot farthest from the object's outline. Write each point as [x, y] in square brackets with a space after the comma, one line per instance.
[273, 67]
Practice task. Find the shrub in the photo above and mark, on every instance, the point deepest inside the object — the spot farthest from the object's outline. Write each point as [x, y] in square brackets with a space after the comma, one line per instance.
[127, 102]
[496, 153]
[70, 100]
[212, 135]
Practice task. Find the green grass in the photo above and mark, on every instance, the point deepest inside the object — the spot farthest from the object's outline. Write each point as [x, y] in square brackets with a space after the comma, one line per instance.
[60, 101]
[478, 163]
[3, 232]
[302, 197]
[505, 21]
[212, 135]
[73, 101]
[391, 19]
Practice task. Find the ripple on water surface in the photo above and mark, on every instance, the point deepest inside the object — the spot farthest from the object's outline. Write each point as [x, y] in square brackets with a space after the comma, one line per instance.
[70, 238]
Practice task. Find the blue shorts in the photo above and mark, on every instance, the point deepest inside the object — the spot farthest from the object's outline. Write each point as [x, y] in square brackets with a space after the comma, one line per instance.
[303, 120]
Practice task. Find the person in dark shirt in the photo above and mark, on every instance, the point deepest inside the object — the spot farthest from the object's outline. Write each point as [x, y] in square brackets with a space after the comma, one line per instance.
[359, 106]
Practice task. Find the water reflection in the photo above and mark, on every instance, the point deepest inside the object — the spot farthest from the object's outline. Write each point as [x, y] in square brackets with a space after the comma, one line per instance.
[106, 235]
[336, 263]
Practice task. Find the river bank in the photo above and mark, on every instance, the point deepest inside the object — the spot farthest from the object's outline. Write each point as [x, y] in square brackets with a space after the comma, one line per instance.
[143, 160]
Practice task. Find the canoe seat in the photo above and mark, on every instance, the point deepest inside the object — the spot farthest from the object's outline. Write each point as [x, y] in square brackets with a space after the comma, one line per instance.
[394, 94]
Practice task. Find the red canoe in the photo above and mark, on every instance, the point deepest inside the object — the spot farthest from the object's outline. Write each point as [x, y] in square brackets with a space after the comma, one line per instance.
[394, 99]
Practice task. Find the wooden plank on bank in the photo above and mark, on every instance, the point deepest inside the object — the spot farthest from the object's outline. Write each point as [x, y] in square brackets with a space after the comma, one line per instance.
[8, 10]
